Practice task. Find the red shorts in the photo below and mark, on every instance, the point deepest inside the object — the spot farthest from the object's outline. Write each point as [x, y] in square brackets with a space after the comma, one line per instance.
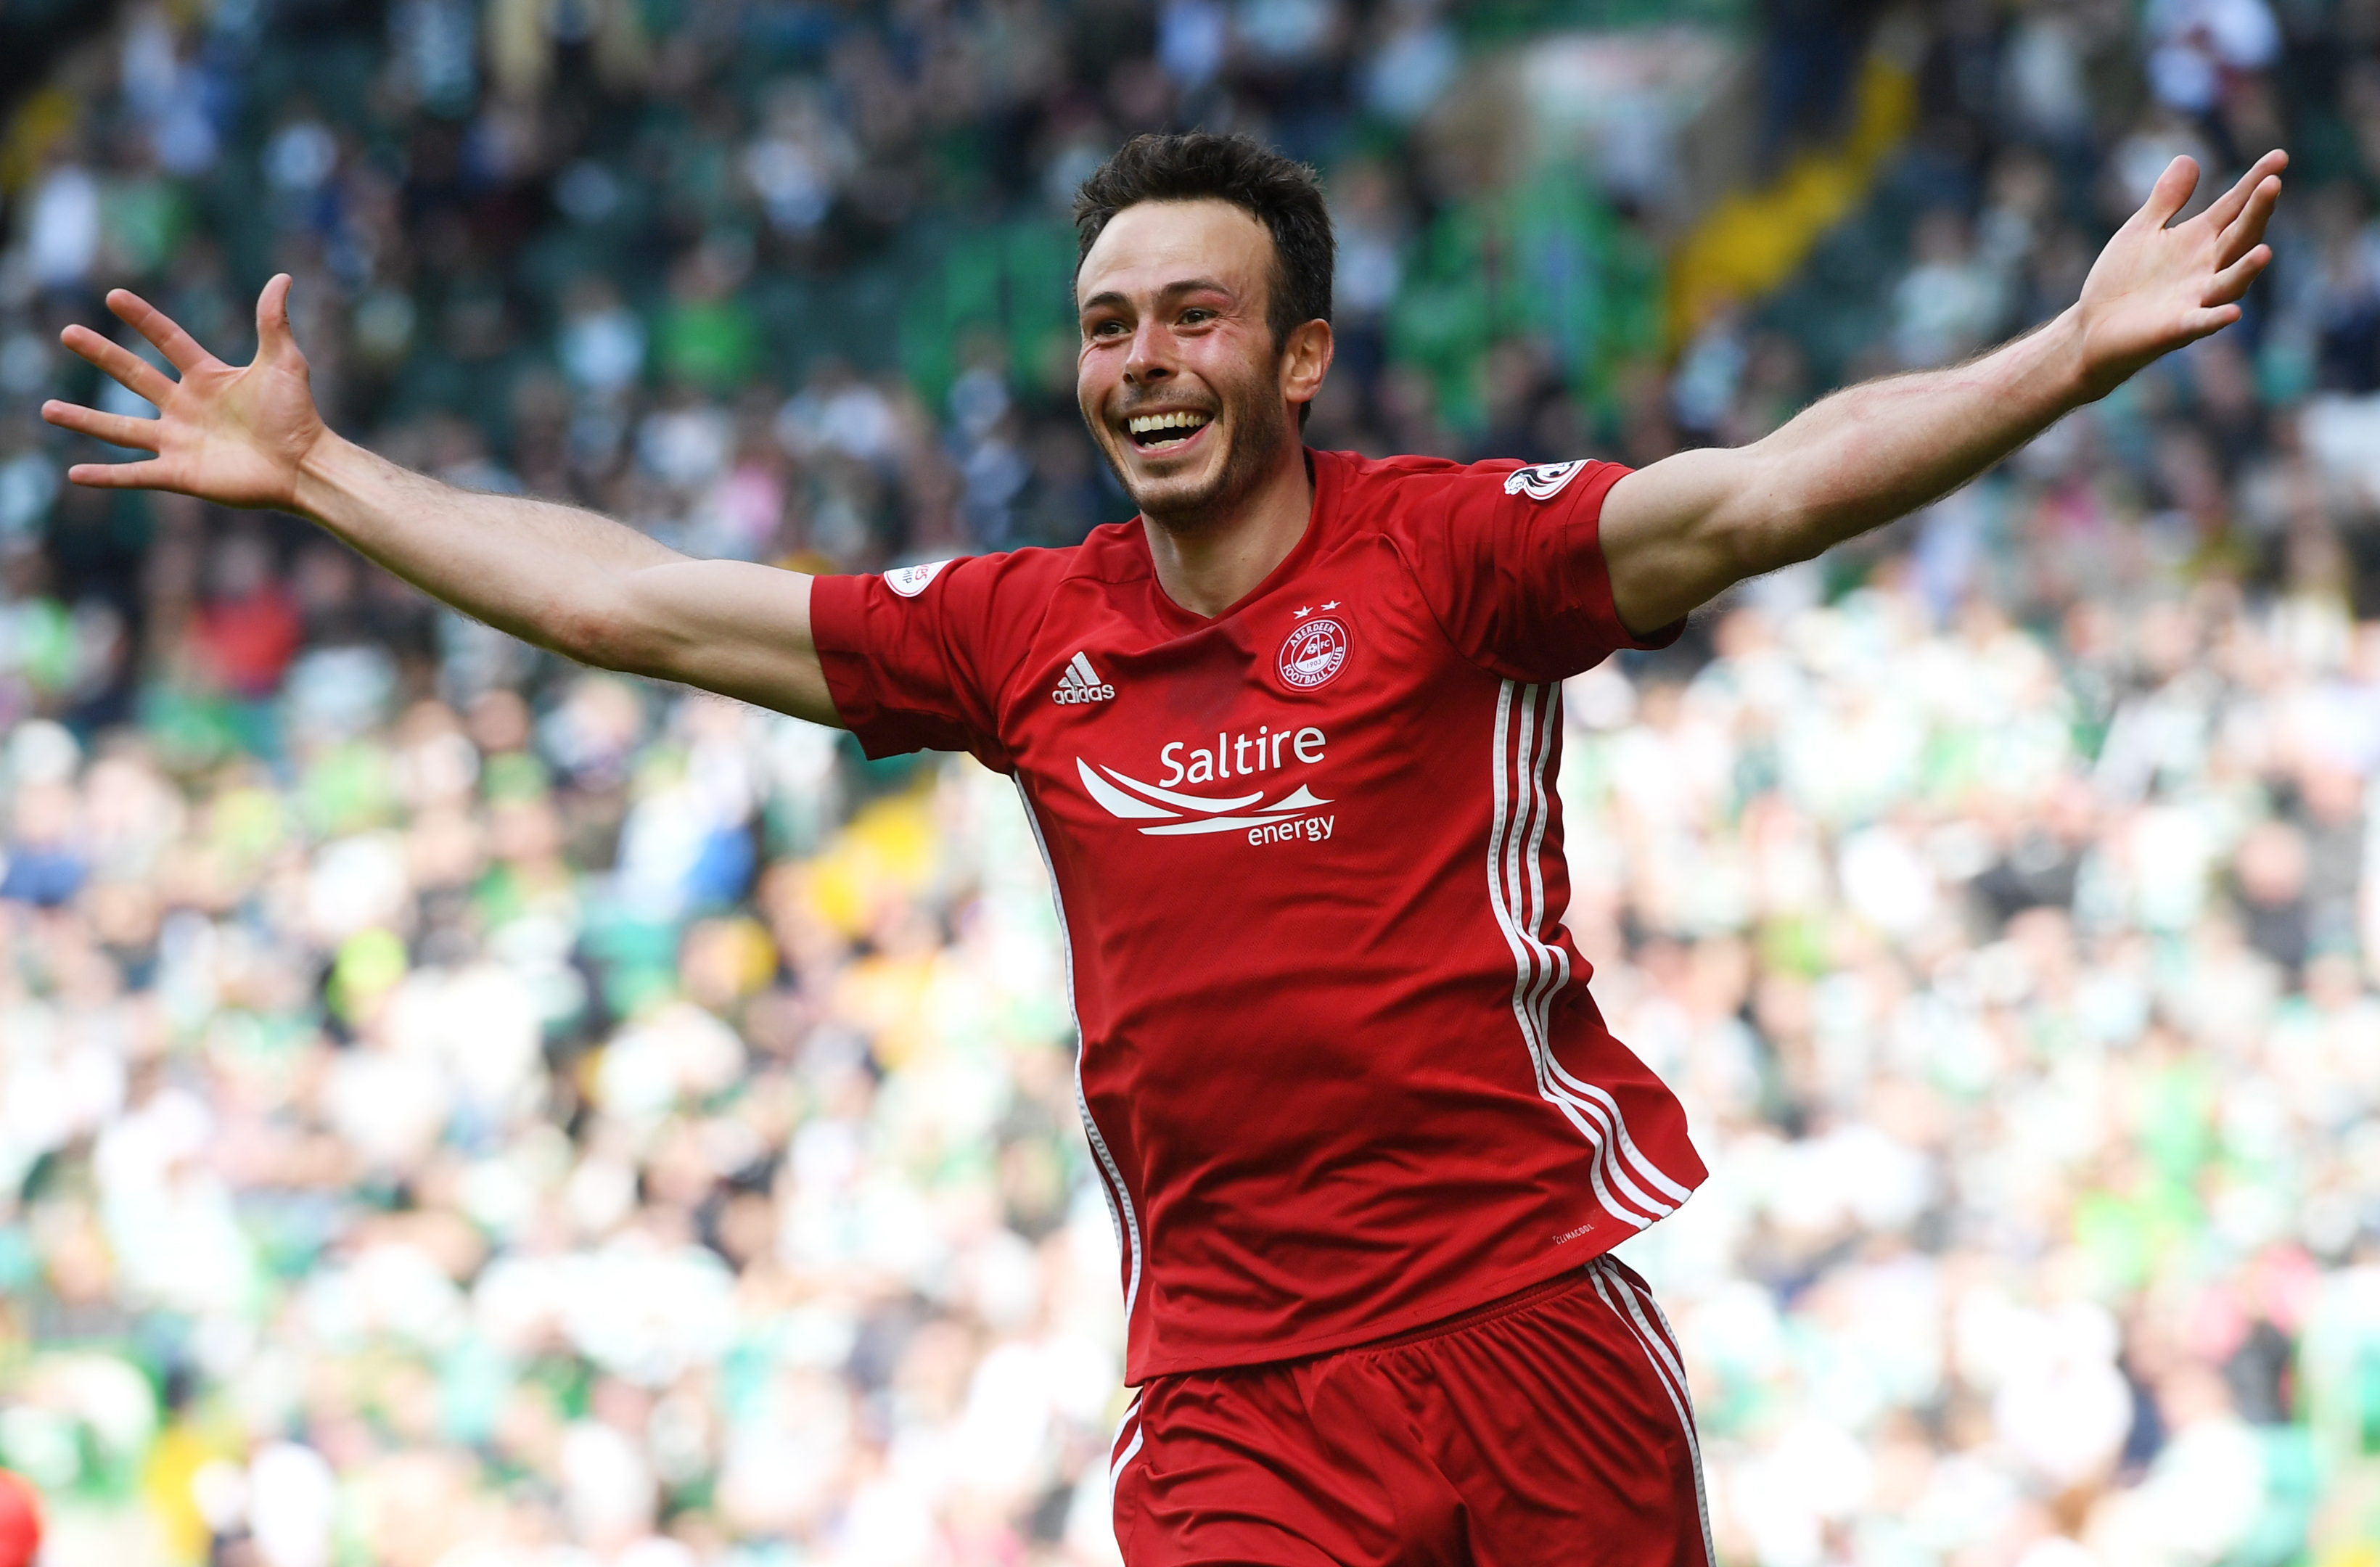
[1551, 1425]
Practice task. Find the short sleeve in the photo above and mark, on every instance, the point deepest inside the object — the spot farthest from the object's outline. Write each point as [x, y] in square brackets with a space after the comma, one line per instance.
[916, 659]
[1512, 561]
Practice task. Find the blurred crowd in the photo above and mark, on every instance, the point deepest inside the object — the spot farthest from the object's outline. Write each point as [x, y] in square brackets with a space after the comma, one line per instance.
[461, 1110]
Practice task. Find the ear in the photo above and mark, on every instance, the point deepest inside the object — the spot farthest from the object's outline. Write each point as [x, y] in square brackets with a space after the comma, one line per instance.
[1304, 360]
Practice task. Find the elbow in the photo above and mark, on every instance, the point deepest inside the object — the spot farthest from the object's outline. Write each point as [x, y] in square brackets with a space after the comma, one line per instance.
[602, 636]
[1773, 532]
[1779, 513]
[1755, 546]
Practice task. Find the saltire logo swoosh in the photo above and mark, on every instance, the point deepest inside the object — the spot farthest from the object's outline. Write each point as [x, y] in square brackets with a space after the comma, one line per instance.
[1180, 815]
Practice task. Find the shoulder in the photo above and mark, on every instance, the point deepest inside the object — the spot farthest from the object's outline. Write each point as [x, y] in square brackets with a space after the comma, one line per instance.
[1375, 481]
[1115, 553]
[1405, 494]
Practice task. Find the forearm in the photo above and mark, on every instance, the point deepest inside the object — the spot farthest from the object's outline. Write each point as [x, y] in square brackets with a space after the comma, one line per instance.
[577, 583]
[1877, 450]
[1679, 532]
[548, 573]
[1689, 527]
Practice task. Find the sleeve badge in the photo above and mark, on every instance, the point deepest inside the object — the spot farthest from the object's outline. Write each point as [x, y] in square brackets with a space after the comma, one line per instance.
[910, 580]
[1542, 483]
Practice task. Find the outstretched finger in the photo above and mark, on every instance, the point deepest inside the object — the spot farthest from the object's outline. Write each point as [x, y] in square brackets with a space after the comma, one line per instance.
[2171, 191]
[2233, 280]
[2208, 322]
[116, 430]
[274, 337]
[150, 475]
[138, 374]
[2233, 201]
[181, 349]
[2248, 229]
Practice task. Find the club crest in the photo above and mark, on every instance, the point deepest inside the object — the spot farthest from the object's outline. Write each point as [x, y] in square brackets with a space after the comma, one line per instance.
[1542, 483]
[1314, 653]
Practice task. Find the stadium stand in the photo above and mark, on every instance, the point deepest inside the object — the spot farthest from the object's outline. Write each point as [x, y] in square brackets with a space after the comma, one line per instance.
[458, 1109]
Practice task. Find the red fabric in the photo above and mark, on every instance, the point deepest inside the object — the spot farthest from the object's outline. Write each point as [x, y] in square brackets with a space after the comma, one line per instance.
[1339, 1067]
[20, 1520]
[1550, 1428]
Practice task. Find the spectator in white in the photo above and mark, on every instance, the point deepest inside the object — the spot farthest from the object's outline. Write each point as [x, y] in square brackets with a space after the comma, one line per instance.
[1951, 302]
[1416, 60]
[1371, 227]
[168, 92]
[61, 226]
[1192, 39]
[2041, 68]
[799, 161]
[2201, 1496]
[292, 1503]
[601, 345]
[837, 411]
[1287, 32]
[2195, 42]
[300, 156]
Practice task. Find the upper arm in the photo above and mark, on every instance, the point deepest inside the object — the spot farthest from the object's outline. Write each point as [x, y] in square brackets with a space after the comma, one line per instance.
[922, 658]
[730, 627]
[1511, 564]
[1681, 532]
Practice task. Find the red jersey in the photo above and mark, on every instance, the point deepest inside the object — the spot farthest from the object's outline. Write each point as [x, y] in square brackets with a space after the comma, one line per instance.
[1338, 1066]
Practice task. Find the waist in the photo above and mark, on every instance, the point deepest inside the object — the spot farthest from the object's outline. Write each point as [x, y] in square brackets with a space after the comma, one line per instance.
[1503, 1305]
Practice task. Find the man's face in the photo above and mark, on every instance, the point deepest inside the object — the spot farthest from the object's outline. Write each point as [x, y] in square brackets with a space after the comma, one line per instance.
[1179, 377]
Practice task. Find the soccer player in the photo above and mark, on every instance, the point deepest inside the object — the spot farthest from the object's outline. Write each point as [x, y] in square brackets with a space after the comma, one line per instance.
[1289, 741]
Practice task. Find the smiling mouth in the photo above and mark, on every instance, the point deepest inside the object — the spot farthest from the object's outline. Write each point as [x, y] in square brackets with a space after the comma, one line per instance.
[1164, 432]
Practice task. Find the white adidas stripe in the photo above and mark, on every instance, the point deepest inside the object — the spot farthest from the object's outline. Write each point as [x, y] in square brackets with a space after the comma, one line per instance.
[1516, 892]
[1599, 1102]
[1115, 1467]
[1537, 971]
[1081, 667]
[1117, 1460]
[1631, 1155]
[1595, 1100]
[1542, 805]
[1120, 1210]
[1661, 1349]
[1554, 963]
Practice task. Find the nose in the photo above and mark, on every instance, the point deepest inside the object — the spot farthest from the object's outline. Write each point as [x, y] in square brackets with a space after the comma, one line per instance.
[1151, 359]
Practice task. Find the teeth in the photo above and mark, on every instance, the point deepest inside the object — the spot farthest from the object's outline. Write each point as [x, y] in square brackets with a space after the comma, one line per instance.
[1147, 423]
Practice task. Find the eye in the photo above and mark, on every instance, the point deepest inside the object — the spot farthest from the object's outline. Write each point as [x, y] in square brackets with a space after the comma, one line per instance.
[1197, 315]
[1108, 328]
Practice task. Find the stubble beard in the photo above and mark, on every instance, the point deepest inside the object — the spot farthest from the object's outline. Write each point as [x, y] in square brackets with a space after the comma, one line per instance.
[1257, 441]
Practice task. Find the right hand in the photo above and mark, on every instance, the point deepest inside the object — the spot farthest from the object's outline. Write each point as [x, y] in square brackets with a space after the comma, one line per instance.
[234, 434]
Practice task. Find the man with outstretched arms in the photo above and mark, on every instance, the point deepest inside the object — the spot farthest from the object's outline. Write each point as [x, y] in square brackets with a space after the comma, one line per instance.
[1289, 741]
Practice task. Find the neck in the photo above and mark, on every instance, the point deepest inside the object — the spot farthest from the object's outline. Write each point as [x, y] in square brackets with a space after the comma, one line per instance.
[1212, 564]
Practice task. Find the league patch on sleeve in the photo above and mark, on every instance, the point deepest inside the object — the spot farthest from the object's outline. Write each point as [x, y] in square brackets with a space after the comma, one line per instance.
[910, 580]
[1542, 483]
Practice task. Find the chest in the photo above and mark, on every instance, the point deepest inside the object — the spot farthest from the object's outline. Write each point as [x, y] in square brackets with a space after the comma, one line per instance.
[1307, 714]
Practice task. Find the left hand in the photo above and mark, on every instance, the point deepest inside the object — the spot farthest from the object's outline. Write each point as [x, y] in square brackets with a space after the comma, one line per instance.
[2160, 285]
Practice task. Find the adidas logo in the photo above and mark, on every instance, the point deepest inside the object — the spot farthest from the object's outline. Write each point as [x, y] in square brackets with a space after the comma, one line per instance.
[1081, 684]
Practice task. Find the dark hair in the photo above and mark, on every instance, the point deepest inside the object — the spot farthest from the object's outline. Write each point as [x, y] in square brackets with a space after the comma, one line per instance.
[1278, 192]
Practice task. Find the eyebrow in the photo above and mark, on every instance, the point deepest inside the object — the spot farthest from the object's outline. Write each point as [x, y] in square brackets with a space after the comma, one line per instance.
[1108, 298]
